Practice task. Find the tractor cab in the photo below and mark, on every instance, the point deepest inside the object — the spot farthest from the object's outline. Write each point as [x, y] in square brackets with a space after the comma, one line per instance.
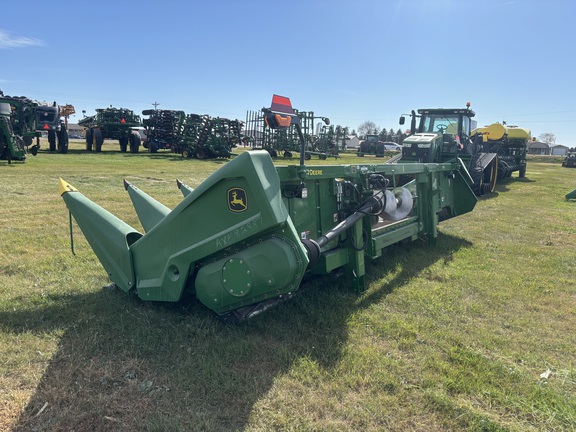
[441, 134]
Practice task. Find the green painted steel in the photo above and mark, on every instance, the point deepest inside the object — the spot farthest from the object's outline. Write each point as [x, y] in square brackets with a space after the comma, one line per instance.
[109, 237]
[247, 235]
[571, 195]
[149, 211]
[112, 123]
[11, 145]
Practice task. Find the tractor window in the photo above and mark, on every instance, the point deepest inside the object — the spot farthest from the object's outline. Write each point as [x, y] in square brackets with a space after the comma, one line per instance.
[466, 126]
[440, 123]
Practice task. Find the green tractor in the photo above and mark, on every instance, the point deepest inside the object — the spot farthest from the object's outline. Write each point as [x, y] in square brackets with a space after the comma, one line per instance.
[270, 227]
[445, 134]
[112, 123]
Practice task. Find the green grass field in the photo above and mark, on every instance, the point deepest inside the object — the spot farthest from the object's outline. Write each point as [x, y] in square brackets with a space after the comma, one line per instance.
[476, 333]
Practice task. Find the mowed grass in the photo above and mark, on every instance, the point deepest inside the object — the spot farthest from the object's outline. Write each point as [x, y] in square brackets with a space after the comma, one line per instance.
[475, 333]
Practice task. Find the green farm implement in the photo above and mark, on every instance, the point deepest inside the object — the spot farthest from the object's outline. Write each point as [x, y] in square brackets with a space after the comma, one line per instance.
[163, 129]
[192, 135]
[112, 123]
[53, 119]
[321, 140]
[509, 143]
[11, 145]
[249, 235]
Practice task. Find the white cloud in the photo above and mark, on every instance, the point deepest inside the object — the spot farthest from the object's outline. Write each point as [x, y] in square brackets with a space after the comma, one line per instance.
[8, 41]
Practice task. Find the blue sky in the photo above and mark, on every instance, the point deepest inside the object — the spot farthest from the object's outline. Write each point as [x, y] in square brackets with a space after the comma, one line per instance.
[352, 61]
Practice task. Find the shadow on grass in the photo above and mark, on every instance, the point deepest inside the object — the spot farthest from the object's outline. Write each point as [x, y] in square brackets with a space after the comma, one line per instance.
[123, 364]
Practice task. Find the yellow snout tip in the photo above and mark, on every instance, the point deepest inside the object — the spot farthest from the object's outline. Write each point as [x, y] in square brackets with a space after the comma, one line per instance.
[64, 187]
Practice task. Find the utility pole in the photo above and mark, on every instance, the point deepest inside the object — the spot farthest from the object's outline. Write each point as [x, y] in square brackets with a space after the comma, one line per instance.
[155, 105]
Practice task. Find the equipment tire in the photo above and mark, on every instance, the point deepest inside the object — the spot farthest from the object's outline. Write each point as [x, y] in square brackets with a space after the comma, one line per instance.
[135, 142]
[52, 140]
[63, 140]
[89, 139]
[98, 139]
[186, 153]
[123, 144]
[522, 172]
[201, 153]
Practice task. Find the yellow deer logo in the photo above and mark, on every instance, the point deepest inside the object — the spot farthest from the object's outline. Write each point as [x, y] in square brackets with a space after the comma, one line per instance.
[237, 200]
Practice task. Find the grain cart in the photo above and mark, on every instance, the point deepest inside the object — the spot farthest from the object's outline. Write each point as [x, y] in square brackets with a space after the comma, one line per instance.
[509, 143]
[245, 238]
[443, 134]
[11, 145]
[112, 123]
[163, 129]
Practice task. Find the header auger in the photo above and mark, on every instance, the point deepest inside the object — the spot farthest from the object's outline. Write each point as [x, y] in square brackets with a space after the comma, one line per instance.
[269, 226]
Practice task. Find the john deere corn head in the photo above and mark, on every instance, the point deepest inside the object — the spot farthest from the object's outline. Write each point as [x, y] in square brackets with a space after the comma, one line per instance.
[247, 236]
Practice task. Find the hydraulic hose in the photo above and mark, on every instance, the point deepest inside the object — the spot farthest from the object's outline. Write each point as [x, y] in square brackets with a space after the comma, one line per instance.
[372, 206]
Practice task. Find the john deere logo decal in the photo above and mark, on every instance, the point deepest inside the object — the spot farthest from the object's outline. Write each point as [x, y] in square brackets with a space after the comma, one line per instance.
[237, 200]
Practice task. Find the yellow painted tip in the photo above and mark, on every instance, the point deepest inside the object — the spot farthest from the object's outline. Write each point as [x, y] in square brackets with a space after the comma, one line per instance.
[64, 187]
